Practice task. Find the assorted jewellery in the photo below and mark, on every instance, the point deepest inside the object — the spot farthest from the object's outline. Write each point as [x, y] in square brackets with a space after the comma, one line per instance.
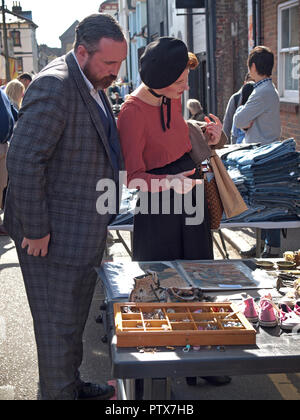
[181, 324]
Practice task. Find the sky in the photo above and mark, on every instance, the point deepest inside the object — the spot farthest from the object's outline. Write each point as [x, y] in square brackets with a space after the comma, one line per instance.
[54, 17]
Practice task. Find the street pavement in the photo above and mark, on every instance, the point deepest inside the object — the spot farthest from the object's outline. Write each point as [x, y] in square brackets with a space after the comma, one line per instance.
[18, 360]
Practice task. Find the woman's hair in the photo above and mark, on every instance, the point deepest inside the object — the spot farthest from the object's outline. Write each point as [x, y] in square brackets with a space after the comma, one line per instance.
[95, 27]
[195, 104]
[15, 92]
[193, 61]
[246, 92]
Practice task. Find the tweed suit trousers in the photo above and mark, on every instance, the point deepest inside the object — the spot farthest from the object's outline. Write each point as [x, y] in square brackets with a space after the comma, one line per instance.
[59, 297]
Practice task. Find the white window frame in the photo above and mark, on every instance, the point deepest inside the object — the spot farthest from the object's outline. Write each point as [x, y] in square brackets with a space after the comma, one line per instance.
[285, 95]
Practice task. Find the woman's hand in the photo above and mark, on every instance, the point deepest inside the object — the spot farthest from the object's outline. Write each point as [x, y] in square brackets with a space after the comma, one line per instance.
[213, 130]
[181, 183]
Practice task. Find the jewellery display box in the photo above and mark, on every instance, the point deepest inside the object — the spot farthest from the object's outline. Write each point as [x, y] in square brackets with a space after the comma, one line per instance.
[181, 324]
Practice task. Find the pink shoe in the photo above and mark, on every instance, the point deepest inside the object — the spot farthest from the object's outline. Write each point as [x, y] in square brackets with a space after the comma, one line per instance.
[297, 308]
[268, 311]
[288, 319]
[250, 310]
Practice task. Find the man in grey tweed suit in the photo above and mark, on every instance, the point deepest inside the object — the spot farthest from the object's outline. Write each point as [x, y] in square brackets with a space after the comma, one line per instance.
[64, 143]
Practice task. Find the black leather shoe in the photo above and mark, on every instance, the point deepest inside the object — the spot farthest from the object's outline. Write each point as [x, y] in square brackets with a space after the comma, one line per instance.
[89, 392]
[217, 380]
[271, 252]
[212, 380]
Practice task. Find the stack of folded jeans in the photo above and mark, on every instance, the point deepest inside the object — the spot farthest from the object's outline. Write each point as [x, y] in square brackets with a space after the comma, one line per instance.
[270, 180]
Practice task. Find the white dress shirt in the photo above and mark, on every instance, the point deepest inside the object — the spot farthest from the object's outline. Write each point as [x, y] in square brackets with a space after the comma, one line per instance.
[93, 92]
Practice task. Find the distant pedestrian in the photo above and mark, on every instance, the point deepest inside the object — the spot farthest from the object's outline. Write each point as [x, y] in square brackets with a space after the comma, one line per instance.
[26, 79]
[233, 103]
[263, 107]
[238, 134]
[15, 92]
[262, 114]
[195, 109]
[6, 128]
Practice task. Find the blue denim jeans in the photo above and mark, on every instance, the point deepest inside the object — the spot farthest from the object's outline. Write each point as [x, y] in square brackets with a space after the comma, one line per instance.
[271, 237]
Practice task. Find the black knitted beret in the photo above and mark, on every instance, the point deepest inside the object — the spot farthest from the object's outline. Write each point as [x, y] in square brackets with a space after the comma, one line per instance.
[163, 61]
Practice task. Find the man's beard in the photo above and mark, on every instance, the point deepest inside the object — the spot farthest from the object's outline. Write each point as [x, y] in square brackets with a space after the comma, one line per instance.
[98, 84]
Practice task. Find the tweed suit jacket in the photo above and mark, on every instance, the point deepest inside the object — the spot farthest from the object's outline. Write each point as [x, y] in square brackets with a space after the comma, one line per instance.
[58, 153]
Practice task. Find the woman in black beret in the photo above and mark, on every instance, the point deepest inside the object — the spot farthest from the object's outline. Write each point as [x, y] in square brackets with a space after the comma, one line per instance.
[155, 142]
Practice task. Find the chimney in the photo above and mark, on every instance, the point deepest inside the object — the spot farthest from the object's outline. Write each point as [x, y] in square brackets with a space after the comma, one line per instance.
[16, 7]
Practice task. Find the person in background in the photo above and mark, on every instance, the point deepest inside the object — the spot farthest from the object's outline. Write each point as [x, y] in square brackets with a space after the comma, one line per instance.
[233, 103]
[116, 99]
[237, 134]
[262, 114]
[15, 92]
[6, 128]
[65, 141]
[195, 109]
[26, 79]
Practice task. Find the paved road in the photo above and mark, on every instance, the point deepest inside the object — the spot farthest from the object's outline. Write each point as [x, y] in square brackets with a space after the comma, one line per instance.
[18, 362]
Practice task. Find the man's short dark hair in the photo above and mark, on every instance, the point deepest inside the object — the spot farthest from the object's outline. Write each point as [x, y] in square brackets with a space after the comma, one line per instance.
[263, 58]
[95, 27]
[26, 76]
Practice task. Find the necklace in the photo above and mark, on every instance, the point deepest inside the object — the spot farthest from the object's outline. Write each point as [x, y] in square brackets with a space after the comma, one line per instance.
[165, 102]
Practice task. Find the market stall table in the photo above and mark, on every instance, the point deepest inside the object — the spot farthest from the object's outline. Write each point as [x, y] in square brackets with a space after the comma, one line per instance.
[150, 370]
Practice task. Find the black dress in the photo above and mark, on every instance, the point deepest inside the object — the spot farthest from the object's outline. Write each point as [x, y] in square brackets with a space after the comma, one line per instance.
[166, 237]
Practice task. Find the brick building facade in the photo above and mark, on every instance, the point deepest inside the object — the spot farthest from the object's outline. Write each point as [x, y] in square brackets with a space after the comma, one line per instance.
[271, 32]
[231, 49]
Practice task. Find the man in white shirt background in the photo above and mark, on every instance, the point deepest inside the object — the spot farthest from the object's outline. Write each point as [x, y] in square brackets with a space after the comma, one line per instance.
[261, 116]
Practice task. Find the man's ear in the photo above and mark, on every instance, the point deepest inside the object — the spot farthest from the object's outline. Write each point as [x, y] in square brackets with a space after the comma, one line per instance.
[82, 55]
[253, 68]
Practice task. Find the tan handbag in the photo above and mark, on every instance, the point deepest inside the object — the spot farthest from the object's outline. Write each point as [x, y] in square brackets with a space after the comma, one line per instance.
[231, 198]
[221, 192]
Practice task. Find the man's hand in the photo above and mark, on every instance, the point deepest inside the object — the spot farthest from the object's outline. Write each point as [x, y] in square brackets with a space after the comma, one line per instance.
[213, 130]
[181, 183]
[37, 247]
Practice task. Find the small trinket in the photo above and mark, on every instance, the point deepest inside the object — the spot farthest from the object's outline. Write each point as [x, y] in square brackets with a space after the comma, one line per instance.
[165, 327]
[221, 348]
[170, 348]
[196, 348]
[159, 314]
[187, 348]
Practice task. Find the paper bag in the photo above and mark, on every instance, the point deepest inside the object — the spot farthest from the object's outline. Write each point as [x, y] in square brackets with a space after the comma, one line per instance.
[231, 198]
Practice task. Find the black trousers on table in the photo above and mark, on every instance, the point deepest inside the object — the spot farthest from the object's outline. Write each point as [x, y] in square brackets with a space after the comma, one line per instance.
[167, 237]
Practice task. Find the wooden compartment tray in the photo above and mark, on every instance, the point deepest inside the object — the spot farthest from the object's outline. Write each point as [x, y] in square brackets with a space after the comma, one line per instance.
[180, 324]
